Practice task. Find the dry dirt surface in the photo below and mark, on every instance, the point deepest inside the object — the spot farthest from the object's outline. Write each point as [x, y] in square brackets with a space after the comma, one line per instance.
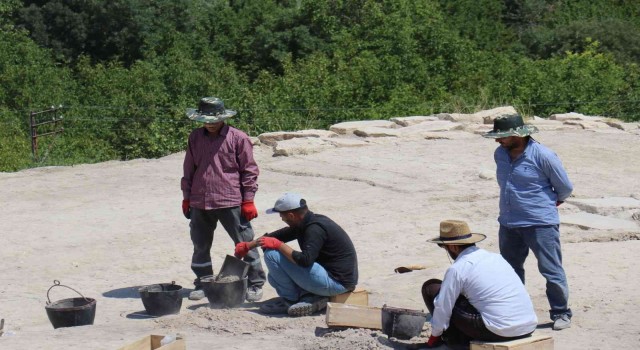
[106, 229]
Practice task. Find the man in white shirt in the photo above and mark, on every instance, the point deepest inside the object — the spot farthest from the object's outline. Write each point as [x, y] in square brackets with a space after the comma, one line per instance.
[481, 296]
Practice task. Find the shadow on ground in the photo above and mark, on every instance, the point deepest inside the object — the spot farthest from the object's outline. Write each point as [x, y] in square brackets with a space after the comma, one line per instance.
[132, 293]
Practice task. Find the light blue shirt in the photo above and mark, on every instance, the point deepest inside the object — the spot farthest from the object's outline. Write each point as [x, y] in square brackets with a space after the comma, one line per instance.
[492, 287]
[530, 186]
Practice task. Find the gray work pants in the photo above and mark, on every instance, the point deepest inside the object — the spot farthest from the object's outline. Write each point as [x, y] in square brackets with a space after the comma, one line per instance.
[203, 224]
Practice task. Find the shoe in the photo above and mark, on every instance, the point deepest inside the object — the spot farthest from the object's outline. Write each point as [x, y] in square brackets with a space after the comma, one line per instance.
[254, 293]
[197, 294]
[561, 322]
[275, 306]
[308, 305]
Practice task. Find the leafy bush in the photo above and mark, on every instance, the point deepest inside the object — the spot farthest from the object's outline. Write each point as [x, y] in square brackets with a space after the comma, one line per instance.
[125, 71]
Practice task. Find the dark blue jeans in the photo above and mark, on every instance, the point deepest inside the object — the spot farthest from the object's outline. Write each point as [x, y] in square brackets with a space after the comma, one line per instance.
[544, 242]
[292, 281]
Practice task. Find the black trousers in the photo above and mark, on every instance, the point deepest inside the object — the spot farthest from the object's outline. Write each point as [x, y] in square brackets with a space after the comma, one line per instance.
[466, 322]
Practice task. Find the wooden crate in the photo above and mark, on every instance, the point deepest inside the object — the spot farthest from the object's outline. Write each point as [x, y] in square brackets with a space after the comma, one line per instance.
[535, 342]
[358, 296]
[346, 315]
[152, 342]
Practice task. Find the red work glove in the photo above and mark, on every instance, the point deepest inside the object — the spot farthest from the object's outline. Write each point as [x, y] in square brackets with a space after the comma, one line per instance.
[186, 210]
[242, 249]
[558, 203]
[249, 210]
[434, 342]
[270, 243]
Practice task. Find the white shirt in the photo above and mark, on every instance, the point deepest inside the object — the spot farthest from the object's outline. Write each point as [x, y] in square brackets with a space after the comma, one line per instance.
[492, 287]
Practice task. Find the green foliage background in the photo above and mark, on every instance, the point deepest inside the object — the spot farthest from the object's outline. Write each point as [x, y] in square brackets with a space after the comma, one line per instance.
[124, 71]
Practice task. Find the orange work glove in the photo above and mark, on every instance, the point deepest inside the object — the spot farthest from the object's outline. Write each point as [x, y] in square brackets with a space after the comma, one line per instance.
[242, 249]
[270, 243]
[186, 210]
[249, 210]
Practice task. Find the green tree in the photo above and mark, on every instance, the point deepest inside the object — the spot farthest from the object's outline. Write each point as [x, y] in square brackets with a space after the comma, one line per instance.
[29, 82]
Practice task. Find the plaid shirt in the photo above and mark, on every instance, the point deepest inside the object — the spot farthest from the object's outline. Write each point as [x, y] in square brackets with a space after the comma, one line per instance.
[219, 171]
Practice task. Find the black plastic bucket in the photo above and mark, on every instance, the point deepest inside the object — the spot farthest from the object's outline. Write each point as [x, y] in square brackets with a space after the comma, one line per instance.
[402, 323]
[161, 299]
[70, 312]
[226, 291]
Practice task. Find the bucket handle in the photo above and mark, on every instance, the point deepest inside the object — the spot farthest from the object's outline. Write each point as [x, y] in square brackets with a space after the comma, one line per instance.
[164, 289]
[173, 283]
[146, 292]
[56, 283]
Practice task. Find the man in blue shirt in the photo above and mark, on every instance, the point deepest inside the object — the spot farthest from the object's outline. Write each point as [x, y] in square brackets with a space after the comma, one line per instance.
[532, 183]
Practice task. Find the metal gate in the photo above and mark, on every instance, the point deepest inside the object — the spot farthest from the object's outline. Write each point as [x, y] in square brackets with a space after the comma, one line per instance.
[51, 121]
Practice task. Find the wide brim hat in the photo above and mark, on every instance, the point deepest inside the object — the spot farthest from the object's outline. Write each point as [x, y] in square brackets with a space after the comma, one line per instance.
[456, 232]
[510, 125]
[210, 110]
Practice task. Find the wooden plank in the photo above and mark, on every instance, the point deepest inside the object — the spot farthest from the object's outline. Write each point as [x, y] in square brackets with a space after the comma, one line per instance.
[140, 344]
[535, 342]
[358, 296]
[155, 341]
[346, 315]
[178, 344]
[152, 342]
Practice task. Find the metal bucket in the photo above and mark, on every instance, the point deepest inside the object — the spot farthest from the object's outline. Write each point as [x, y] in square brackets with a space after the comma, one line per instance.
[161, 299]
[70, 312]
[229, 288]
[402, 323]
[226, 291]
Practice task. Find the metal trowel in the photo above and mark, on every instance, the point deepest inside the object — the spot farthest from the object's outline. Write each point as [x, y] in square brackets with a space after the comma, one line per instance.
[233, 266]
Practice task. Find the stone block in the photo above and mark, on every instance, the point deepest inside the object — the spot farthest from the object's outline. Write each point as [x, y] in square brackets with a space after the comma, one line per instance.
[408, 121]
[587, 221]
[349, 127]
[374, 131]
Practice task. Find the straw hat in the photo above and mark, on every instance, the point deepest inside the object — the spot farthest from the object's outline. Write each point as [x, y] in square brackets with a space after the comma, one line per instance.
[456, 232]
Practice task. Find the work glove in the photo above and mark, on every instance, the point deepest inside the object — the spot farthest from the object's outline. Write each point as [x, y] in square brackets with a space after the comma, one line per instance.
[249, 210]
[242, 249]
[558, 203]
[270, 243]
[434, 342]
[186, 209]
